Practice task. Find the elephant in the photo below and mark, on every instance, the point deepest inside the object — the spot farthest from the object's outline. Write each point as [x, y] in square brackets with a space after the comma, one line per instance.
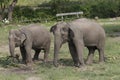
[32, 37]
[79, 33]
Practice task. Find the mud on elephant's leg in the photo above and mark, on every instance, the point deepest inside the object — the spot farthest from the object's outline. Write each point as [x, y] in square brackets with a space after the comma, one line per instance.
[23, 54]
[73, 54]
[36, 55]
[90, 55]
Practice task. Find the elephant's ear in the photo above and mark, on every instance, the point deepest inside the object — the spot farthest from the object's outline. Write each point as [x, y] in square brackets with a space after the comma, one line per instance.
[53, 28]
[23, 38]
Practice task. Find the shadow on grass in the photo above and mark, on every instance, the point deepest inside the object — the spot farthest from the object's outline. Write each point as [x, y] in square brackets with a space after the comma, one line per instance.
[61, 62]
[66, 62]
[7, 62]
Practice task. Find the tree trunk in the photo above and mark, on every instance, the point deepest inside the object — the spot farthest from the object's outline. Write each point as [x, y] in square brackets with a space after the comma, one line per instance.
[2, 10]
[0, 17]
[10, 9]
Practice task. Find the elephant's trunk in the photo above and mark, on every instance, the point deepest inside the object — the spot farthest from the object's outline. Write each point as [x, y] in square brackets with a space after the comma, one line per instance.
[11, 46]
[57, 45]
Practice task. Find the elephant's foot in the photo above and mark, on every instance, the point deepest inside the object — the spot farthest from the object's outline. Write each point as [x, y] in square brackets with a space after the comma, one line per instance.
[30, 65]
[88, 62]
[76, 64]
[102, 60]
[23, 62]
[45, 61]
[29, 62]
[55, 64]
[79, 65]
[35, 59]
[82, 66]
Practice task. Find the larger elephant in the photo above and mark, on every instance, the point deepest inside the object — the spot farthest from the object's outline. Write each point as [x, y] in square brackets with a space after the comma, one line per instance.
[30, 37]
[79, 33]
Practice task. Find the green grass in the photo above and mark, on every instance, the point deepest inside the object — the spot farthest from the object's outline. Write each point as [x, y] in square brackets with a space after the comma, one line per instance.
[30, 2]
[66, 71]
[112, 28]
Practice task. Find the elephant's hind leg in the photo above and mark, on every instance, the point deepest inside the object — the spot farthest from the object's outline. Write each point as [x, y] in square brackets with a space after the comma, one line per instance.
[101, 55]
[90, 55]
[46, 52]
[36, 55]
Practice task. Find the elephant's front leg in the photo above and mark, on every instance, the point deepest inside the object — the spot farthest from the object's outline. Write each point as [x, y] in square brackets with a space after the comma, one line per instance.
[28, 55]
[73, 53]
[79, 48]
[23, 54]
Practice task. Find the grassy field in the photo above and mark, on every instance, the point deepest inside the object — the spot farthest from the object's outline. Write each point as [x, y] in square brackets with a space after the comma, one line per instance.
[66, 71]
[30, 2]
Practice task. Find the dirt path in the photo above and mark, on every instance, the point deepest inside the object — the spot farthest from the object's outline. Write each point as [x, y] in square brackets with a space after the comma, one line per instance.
[4, 49]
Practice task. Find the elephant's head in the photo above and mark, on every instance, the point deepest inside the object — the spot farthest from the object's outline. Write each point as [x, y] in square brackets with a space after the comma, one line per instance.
[16, 39]
[62, 33]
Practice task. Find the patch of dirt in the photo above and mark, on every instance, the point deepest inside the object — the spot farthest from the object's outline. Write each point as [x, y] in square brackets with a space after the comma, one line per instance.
[34, 78]
[5, 49]
[17, 70]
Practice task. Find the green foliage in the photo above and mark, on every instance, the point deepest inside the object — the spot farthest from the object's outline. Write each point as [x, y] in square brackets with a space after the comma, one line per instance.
[7, 62]
[91, 8]
[26, 12]
[4, 2]
[105, 8]
[3, 8]
[112, 30]
[1, 24]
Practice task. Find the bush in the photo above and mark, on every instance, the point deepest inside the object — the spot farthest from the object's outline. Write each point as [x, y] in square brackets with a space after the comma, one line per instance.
[112, 30]
[91, 9]
[28, 13]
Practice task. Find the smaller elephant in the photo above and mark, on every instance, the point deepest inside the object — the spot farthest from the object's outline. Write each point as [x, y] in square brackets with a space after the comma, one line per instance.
[27, 38]
[79, 33]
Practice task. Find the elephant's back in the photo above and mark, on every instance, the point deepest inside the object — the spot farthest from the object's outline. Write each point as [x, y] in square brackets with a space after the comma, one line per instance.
[91, 31]
[40, 35]
[38, 32]
[37, 28]
[89, 26]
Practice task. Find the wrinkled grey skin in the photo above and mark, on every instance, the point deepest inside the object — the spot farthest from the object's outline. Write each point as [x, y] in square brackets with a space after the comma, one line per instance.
[27, 38]
[79, 33]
